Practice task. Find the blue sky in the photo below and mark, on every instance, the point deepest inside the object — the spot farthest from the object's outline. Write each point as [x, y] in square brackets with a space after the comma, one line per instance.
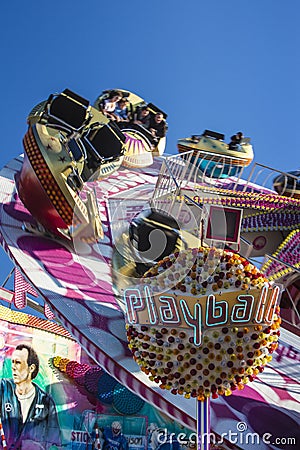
[219, 64]
[225, 65]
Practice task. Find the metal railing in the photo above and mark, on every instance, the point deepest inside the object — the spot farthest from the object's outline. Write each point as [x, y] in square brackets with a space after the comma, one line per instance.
[261, 178]
[184, 169]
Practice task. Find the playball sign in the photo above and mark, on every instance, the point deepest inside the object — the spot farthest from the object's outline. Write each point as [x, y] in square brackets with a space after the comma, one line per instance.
[199, 314]
[208, 332]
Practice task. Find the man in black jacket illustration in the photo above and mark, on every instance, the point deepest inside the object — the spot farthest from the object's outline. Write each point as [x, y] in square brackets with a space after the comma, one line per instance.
[28, 413]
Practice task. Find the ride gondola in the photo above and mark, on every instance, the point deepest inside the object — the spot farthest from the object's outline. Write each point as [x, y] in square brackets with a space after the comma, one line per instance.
[141, 145]
[215, 158]
[288, 184]
[68, 142]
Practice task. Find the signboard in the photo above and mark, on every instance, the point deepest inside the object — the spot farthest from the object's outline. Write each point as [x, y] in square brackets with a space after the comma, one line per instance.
[223, 224]
[200, 313]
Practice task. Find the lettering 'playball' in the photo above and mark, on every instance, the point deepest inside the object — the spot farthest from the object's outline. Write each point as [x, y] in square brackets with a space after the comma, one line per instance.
[206, 334]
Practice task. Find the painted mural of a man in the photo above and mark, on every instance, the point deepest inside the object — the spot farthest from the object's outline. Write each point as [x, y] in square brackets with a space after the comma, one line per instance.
[28, 413]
